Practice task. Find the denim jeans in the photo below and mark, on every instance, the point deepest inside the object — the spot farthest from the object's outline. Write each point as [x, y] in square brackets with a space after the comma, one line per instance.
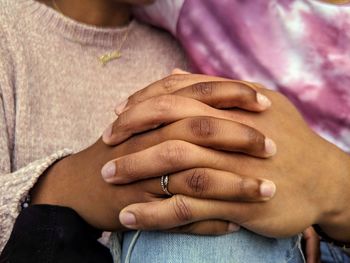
[333, 254]
[240, 247]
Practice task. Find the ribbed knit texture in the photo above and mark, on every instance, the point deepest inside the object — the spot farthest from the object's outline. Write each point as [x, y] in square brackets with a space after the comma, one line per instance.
[54, 93]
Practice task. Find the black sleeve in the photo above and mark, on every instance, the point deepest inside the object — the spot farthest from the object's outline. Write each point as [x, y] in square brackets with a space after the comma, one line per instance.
[53, 234]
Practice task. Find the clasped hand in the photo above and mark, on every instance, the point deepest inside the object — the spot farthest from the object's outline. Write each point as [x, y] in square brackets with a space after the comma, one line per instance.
[215, 138]
[214, 134]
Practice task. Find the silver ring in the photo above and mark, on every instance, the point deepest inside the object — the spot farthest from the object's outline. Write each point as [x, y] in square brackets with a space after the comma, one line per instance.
[164, 182]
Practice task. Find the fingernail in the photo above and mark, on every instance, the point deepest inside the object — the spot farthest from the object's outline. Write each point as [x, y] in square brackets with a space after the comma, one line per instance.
[270, 147]
[263, 100]
[107, 133]
[267, 189]
[127, 219]
[120, 107]
[108, 170]
[232, 227]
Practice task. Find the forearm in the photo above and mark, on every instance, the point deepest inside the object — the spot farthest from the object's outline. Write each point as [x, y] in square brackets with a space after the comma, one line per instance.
[76, 182]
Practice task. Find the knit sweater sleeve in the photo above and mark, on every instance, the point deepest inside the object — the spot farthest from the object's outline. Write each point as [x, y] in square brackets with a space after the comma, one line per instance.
[14, 185]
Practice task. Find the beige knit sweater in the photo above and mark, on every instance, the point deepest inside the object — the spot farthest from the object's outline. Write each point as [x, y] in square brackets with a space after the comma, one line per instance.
[55, 97]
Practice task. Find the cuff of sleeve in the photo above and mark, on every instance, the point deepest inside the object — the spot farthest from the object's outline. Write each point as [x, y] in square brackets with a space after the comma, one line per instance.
[14, 188]
[46, 233]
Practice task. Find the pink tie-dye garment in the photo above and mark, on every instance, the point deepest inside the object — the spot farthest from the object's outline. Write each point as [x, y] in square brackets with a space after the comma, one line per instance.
[298, 47]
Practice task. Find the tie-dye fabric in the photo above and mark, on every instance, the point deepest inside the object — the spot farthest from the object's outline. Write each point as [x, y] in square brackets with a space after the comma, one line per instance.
[298, 47]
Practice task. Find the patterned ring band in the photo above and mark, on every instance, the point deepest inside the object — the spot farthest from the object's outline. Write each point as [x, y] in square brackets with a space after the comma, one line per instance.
[164, 182]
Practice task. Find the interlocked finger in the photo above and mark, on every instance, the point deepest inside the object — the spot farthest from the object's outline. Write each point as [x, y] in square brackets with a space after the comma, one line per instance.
[209, 183]
[165, 158]
[166, 109]
[152, 113]
[181, 210]
[227, 94]
[219, 134]
[168, 85]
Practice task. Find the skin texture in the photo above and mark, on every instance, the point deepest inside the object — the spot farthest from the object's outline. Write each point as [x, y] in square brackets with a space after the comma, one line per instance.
[79, 175]
[62, 192]
[299, 169]
[102, 13]
[312, 247]
[112, 13]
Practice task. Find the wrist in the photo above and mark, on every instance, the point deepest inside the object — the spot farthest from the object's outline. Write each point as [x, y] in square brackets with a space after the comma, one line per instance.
[46, 190]
[335, 219]
[75, 182]
[57, 184]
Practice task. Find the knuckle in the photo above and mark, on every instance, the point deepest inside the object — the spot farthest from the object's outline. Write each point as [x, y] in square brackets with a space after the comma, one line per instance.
[198, 181]
[146, 220]
[182, 209]
[255, 140]
[240, 188]
[203, 88]
[126, 167]
[164, 104]
[203, 127]
[123, 122]
[246, 93]
[136, 97]
[150, 221]
[246, 189]
[170, 83]
[172, 152]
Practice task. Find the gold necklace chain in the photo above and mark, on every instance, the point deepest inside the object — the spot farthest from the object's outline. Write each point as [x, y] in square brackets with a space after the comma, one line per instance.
[110, 56]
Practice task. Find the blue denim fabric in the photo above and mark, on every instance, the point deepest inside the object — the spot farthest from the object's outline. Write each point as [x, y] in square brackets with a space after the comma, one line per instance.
[333, 254]
[240, 247]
